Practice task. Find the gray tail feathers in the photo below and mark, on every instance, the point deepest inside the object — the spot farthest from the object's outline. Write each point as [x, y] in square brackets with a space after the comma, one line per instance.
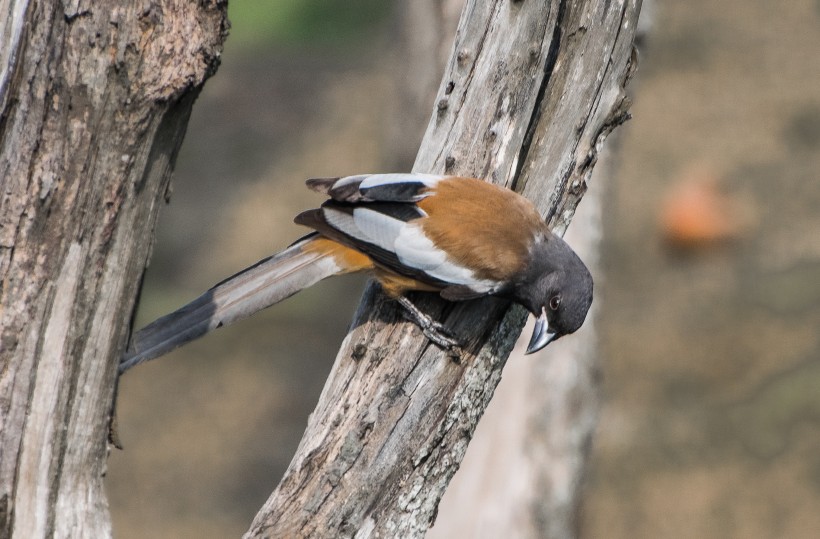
[267, 282]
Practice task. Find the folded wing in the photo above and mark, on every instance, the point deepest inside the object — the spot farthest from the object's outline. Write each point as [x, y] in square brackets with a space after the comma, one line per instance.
[379, 215]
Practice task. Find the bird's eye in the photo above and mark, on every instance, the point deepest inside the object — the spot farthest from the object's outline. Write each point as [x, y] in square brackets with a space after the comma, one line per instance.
[555, 302]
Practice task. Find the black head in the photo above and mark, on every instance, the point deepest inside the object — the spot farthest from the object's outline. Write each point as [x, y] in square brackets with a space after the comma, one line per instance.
[556, 288]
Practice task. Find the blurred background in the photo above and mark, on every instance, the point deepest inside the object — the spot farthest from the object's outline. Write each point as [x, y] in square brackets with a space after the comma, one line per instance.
[708, 289]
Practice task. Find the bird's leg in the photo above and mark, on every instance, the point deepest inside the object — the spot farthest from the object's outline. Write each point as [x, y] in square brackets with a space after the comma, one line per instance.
[433, 330]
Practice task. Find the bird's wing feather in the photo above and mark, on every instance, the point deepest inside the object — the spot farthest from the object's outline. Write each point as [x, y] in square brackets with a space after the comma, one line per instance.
[392, 235]
[376, 187]
[368, 231]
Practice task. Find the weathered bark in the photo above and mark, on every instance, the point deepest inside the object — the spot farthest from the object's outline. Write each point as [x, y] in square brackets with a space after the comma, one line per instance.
[94, 100]
[522, 475]
[424, 37]
[528, 96]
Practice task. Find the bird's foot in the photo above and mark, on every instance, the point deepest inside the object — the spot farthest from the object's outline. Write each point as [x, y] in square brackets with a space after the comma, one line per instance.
[435, 331]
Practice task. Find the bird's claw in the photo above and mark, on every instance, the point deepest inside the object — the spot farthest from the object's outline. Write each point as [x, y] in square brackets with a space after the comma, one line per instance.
[435, 331]
[440, 335]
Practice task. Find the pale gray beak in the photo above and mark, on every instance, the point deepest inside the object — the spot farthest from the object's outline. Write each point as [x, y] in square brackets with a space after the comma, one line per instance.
[541, 335]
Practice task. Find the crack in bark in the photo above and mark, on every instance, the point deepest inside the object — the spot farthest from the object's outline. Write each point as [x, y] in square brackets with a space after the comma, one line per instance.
[537, 110]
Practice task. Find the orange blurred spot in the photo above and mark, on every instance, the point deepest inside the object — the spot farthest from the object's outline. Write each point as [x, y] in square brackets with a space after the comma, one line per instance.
[696, 213]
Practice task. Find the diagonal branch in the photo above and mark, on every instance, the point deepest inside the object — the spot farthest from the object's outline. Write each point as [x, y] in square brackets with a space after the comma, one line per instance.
[530, 92]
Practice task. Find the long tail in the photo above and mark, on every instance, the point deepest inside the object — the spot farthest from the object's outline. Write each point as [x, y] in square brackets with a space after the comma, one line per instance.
[266, 283]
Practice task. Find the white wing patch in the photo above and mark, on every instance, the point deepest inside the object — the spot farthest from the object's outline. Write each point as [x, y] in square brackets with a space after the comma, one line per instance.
[408, 241]
[430, 180]
[416, 250]
[366, 225]
[343, 222]
[378, 228]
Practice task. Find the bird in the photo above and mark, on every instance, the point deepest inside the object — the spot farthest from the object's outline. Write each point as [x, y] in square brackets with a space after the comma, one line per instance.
[460, 237]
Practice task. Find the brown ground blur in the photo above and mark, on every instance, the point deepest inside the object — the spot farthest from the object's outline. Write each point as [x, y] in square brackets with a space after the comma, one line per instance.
[711, 356]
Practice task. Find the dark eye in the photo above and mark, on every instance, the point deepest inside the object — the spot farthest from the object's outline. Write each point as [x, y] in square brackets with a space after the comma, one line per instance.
[555, 302]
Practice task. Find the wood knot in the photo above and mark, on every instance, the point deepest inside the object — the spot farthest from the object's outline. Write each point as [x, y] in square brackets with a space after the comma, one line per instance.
[456, 354]
[534, 52]
[358, 352]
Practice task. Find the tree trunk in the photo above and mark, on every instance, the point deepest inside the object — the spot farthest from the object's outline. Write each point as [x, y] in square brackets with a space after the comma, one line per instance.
[94, 100]
[529, 94]
[522, 475]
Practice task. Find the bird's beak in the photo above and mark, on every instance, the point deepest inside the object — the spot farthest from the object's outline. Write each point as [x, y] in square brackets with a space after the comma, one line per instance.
[541, 335]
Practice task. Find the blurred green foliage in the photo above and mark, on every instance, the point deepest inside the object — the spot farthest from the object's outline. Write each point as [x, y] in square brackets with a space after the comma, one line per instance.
[304, 23]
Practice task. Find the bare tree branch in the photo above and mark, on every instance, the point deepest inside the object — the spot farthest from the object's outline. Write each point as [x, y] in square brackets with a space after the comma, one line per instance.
[524, 474]
[529, 94]
[94, 100]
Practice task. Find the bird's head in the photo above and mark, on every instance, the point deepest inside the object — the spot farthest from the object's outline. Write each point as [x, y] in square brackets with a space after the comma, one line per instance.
[557, 289]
